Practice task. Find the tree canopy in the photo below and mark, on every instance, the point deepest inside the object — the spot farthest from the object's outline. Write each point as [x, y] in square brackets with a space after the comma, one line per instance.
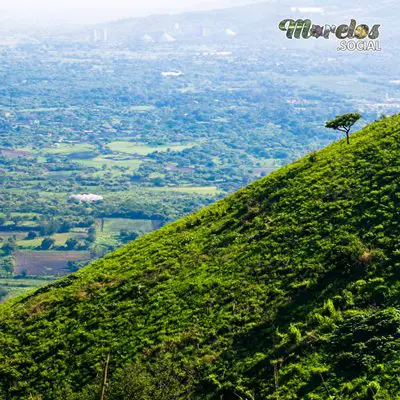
[343, 123]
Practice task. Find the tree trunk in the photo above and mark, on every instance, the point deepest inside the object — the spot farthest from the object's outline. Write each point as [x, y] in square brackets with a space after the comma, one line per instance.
[104, 379]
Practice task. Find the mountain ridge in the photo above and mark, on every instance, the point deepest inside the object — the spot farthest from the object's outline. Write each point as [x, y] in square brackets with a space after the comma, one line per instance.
[285, 289]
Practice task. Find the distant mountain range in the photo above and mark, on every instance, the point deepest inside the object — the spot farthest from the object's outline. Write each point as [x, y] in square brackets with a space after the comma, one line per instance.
[244, 22]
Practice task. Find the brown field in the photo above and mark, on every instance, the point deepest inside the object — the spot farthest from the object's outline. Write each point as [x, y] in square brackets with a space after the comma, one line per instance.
[47, 262]
[11, 234]
[15, 153]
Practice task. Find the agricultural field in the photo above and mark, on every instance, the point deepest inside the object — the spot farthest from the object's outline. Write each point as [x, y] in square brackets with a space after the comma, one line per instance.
[116, 225]
[37, 263]
[11, 287]
[69, 148]
[144, 150]
[4, 236]
[204, 190]
[16, 153]
[60, 239]
[108, 162]
[109, 229]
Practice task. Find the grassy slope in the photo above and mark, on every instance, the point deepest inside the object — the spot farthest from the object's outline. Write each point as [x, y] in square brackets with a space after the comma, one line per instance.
[287, 289]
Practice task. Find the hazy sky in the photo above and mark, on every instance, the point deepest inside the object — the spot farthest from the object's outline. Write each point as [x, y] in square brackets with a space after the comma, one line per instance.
[89, 11]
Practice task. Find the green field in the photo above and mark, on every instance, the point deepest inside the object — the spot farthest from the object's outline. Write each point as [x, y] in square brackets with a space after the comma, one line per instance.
[109, 232]
[204, 190]
[115, 225]
[60, 239]
[144, 150]
[69, 148]
[17, 286]
[21, 214]
[98, 162]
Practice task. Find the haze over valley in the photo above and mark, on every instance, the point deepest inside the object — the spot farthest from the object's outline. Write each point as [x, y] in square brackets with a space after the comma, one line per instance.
[158, 116]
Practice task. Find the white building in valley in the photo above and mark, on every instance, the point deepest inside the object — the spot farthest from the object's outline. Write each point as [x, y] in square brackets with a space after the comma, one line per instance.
[88, 198]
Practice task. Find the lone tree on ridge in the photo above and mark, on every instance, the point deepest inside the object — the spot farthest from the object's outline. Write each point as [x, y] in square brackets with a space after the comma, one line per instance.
[343, 123]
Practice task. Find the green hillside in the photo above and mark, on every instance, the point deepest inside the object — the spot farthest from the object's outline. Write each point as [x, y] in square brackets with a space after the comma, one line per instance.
[288, 289]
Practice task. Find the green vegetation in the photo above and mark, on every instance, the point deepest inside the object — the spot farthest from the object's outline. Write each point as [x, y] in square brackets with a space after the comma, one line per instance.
[205, 190]
[287, 289]
[67, 149]
[109, 231]
[12, 287]
[141, 149]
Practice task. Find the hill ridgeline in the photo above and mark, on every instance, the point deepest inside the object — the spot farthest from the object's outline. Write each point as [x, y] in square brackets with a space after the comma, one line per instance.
[288, 289]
